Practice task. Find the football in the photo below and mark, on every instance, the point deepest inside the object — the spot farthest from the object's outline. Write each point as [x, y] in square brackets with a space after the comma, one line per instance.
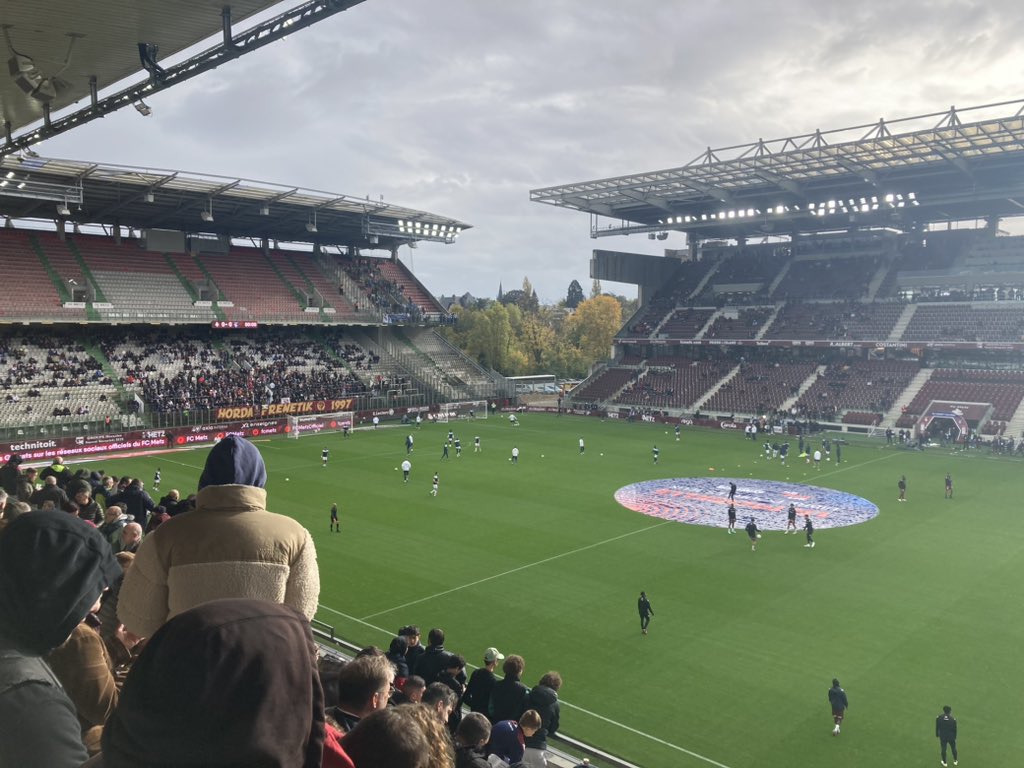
[759, 535]
[287, 479]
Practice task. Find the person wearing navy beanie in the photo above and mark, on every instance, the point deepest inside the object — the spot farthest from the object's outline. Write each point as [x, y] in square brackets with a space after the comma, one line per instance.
[229, 546]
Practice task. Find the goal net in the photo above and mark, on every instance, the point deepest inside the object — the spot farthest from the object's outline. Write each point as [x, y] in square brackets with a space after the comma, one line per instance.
[341, 421]
[468, 409]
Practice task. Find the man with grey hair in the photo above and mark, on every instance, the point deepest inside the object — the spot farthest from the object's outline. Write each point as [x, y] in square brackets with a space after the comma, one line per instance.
[114, 519]
[131, 538]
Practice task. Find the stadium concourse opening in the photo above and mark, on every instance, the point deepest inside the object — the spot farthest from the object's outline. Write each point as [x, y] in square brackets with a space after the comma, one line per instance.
[705, 501]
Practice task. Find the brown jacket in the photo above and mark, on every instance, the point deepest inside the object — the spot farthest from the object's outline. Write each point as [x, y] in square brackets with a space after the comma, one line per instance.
[84, 669]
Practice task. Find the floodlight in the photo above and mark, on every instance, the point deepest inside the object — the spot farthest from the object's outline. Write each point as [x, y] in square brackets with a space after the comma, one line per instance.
[311, 227]
[148, 197]
[143, 108]
[264, 210]
[63, 210]
[206, 215]
[374, 239]
[10, 174]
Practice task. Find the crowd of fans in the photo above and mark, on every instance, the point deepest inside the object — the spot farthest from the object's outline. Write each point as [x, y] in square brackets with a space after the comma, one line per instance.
[385, 294]
[117, 614]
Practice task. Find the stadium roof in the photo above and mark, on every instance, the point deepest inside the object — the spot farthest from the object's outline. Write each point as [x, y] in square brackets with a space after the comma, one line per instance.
[899, 174]
[61, 53]
[148, 198]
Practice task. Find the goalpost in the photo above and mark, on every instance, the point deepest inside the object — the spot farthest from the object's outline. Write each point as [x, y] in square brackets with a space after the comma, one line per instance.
[466, 409]
[339, 421]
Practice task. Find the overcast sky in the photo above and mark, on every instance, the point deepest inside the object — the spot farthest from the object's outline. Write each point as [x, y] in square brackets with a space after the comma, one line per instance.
[461, 107]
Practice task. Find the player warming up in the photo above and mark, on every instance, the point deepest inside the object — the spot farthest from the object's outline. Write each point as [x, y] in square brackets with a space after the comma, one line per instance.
[945, 732]
[476, 444]
[791, 519]
[902, 486]
[156, 479]
[433, 486]
[753, 533]
[335, 526]
[732, 518]
[732, 492]
[654, 453]
[809, 530]
[406, 468]
[837, 698]
[324, 455]
[949, 485]
[643, 605]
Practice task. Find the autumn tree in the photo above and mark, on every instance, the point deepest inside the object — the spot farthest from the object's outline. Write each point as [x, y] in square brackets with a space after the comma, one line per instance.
[593, 326]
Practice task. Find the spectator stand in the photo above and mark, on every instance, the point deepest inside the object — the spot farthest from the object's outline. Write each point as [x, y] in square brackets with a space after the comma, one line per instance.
[567, 754]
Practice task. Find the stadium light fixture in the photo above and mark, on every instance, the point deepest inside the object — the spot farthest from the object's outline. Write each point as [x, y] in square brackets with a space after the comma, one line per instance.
[207, 213]
[63, 210]
[148, 197]
[143, 108]
[311, 224]
[264, 210]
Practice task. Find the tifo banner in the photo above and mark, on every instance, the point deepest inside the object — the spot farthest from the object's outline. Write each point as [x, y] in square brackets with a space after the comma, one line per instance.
[304, 408]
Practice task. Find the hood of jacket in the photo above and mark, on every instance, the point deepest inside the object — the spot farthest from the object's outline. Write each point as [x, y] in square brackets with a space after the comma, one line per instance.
[227, 683]
[53, 568]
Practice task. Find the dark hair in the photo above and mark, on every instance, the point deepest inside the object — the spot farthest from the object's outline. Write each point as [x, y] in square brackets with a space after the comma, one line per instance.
[415, 681]
[514, 666]
[387, 737]
[835, 681]
[552, 680]
[947, 709]
[329, 667]
[474, 729]
[409, 630]
[399, 646]
[436, 636]
[455, 660]
[439, 692]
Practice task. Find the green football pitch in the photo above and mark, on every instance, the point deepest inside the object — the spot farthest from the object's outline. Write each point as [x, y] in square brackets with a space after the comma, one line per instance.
[911, 610]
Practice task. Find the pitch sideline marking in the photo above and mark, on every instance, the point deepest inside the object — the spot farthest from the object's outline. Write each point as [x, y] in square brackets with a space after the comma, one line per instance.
[514, 570]
[585, 711]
